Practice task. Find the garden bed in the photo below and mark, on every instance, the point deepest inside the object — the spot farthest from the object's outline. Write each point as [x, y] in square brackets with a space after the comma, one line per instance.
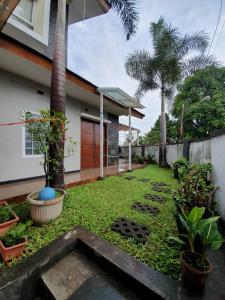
[97, 205]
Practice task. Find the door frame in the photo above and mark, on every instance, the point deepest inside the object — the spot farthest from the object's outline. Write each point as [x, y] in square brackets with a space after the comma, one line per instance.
[82, 118]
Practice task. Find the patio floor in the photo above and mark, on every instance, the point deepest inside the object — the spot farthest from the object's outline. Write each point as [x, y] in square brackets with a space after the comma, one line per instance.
[17, 191]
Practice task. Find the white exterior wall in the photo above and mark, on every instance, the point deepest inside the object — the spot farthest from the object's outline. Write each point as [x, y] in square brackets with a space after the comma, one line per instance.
[20, 94]
[218, 162]
[173, 152]
[210, 150]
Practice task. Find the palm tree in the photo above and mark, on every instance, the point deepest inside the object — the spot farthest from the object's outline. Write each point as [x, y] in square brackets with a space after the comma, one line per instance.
[126, 9]
[165, 68]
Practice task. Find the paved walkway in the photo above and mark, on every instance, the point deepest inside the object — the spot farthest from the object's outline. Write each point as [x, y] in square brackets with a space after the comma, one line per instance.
[20, 189]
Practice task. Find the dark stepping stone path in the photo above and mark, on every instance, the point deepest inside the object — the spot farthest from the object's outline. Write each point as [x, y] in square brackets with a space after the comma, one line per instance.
[145, 208]
[159, 184]
[129, 228]
[130, 177]
[144, 180]
[153, 197]
[161, 190]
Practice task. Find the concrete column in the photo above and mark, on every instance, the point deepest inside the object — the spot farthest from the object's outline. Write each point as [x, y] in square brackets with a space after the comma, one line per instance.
[130, 140]
[101, 135]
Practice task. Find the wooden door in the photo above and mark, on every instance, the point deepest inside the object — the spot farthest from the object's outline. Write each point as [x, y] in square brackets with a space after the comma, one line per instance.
[90, 144]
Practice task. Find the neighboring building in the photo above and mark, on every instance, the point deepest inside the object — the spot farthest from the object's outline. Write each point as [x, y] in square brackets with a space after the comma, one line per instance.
[26, 45]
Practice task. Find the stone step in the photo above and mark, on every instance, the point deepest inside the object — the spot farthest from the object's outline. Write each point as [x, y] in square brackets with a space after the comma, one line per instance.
[65, 277]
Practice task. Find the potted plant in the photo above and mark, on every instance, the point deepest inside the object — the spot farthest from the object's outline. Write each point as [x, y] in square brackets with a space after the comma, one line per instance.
[7, 217]
[194, 263]
[13, 243]
[46, 204]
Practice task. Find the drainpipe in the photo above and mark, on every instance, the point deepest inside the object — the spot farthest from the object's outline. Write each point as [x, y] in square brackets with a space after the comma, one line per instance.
[101, 136]
[130, 138]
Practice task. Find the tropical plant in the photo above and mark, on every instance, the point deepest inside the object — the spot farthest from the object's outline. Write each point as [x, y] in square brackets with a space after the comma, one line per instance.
[165, 68]
[126, 9]
[15, 234]
[194, 189]
[203, 98]
[48, 138]
[195, 225]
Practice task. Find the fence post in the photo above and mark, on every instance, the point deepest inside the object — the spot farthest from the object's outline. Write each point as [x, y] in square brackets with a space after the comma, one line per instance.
[186, 149]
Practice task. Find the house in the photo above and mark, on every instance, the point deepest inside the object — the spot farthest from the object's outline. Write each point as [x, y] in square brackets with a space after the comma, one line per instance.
[26, 45]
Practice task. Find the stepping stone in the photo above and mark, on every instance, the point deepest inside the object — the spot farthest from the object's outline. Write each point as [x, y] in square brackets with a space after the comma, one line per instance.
[130, 177]
[161, 190]
[144, 180]
[145, 208]
[159, 184]
[154, 197]
[129, 228]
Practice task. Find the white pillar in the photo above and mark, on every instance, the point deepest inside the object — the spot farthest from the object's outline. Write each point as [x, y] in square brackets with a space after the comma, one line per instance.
[137, 138]
[101, 136]
[130, 139]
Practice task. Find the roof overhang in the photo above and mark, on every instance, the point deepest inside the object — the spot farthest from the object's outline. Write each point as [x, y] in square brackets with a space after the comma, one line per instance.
[123, 127]
[121, 97]
[27, 63]
[80, 10]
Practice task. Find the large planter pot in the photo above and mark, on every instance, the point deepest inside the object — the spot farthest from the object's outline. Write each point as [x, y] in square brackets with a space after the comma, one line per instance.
[43, 212]
[197, 277]
[8, 253]
[4, 227]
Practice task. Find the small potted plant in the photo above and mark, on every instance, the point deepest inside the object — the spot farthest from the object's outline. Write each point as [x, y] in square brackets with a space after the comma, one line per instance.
[13, 243]
[194, 263]
[46, 205]
[7, 217]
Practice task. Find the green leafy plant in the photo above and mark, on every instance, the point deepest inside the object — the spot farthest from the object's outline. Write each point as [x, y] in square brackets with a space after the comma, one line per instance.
[194, 189]
[15, 234]
[5, 213]
[137, 159]
[206, 229]
[49, 139]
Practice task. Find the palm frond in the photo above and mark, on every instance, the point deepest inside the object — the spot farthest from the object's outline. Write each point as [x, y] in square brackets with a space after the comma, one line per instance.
[145, 86]
[127, 11]
[138, 65]
[190, 42]
[190, 66]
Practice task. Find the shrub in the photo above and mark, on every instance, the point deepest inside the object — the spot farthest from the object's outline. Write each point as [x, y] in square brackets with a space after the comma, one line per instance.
[194, 189]
[15, 234]
[5, 213]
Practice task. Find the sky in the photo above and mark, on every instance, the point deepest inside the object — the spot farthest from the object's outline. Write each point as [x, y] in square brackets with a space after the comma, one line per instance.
[98, 48]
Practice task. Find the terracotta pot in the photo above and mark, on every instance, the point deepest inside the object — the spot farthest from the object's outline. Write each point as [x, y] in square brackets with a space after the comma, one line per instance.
[43, 212]
[4, 227]
[8, 253]
[193, 275]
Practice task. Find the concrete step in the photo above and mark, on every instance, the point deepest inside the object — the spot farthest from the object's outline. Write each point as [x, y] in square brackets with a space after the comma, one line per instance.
[77, 277]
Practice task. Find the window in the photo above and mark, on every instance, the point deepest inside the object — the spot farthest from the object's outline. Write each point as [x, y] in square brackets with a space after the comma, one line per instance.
[24, 13]
[31, 146]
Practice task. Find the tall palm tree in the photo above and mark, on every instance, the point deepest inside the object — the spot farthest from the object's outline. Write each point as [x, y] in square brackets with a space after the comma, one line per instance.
[165, 68]
[127, 11]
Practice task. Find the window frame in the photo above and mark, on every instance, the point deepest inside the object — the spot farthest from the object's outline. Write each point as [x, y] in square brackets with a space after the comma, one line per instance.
[31, 24]
[42, 38]
[24, 155]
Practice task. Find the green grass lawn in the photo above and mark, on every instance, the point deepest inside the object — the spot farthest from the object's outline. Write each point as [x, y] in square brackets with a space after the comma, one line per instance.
[96, 205]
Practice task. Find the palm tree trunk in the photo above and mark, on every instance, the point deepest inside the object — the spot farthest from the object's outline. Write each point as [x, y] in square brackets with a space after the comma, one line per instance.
[162, 148]
[57, 101]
